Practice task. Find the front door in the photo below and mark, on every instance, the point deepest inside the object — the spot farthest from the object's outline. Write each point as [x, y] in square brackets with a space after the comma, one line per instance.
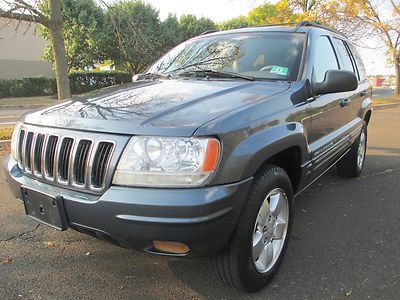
[331, 114]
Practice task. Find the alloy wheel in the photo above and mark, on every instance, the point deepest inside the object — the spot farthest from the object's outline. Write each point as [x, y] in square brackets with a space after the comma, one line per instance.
[270, 230]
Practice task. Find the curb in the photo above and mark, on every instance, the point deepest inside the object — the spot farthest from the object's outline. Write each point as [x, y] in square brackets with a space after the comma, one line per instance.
[382, 106]
[5, 143]
[33, 106]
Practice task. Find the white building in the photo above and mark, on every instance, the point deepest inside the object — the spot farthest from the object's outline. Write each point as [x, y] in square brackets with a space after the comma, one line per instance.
[21, 52]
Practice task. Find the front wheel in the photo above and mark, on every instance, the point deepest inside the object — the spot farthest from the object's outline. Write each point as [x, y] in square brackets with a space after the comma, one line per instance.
[352, 163]
[260, 239]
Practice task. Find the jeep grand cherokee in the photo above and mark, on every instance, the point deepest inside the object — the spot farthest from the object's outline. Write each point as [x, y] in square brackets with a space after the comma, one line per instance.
[204, 153]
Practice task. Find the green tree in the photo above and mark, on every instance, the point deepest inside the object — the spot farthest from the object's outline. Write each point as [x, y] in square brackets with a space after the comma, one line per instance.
[268, 13]
[309, 9]
[171, 32]
[136, 32]
[238, 22]
[191, 26]
[85, 33]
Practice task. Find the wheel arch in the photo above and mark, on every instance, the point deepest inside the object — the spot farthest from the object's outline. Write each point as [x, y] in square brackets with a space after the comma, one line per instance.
[288, 151]
[367, 116]
[366, 110]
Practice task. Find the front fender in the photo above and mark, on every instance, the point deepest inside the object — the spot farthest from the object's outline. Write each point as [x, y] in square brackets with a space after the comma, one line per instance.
[246, 157]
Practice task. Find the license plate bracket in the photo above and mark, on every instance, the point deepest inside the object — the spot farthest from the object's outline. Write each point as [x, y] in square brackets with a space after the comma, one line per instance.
[45, 208]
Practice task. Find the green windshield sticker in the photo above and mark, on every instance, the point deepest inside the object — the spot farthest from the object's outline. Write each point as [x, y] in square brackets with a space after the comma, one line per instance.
[279, 70]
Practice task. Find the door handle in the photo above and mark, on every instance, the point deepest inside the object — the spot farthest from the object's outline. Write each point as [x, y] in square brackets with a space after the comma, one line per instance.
[345, 102]
[363, 93]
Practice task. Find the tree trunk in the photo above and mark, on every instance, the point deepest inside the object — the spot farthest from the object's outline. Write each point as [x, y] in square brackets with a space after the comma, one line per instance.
[55, 28]
[397, 76]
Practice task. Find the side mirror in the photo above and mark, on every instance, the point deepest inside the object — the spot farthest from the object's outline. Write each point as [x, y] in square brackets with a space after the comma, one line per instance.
[335, 81]
[139, 76]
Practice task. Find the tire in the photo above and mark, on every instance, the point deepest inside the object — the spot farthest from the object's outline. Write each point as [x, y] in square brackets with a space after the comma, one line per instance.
[352, 163]
[236, 266]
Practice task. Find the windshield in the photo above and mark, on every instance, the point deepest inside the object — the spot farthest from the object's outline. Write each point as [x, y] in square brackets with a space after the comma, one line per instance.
[259, 55]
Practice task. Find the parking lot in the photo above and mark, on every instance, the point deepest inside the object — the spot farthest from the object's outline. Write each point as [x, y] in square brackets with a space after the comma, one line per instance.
[345, 245]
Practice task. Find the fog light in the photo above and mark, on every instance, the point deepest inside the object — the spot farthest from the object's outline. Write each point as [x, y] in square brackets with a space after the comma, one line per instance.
[171, 247]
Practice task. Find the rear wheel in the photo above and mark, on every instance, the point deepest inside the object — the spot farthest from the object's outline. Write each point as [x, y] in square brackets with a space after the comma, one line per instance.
[259, 242]
[352, 163]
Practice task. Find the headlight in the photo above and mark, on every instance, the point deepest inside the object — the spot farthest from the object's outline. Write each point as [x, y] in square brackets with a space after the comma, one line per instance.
[14, 140]
[167, 162]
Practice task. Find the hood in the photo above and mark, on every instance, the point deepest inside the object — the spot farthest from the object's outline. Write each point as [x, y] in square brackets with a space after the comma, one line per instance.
[170, 107]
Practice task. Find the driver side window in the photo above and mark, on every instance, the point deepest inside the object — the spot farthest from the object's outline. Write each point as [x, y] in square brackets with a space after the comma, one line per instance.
[324, 60]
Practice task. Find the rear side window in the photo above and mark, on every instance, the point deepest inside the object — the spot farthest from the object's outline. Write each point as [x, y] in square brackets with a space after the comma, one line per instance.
[345, 55]
[360, 65]
[324, 60]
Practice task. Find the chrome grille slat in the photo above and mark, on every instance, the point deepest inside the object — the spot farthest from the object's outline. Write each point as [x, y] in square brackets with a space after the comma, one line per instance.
[43, 162]
[27, 151]
[21, 141]
[31, 152]
[56, 157]
[68, 158]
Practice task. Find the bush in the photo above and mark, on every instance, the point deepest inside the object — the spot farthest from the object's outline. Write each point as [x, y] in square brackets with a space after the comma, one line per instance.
[5, 133]
[25, 87]
[81, 82]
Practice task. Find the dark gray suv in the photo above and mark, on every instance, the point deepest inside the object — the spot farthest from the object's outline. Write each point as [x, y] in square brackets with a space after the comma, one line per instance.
[205, 152]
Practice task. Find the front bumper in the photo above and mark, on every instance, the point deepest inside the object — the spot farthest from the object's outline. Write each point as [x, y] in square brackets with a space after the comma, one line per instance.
[202, 218]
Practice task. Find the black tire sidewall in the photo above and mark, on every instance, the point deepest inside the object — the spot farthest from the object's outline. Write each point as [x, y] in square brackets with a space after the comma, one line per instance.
[347, 166]
[251, 279]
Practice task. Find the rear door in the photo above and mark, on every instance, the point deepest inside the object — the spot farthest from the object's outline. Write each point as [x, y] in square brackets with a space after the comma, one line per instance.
[350, 61]
[364, 90]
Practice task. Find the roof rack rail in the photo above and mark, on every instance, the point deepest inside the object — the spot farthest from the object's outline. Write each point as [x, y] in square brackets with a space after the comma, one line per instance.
[278, 24]
[316, 24]
[208, 32]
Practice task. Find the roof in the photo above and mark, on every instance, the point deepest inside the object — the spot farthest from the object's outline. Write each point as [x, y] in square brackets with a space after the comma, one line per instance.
[301, 27]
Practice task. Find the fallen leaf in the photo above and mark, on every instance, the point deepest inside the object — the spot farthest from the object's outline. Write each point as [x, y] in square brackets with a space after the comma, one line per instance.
[348, 294]
[50, 244]
[6, 261]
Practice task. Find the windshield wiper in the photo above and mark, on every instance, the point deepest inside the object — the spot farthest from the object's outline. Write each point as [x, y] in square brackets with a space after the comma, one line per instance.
[148, 76]
[217, 74]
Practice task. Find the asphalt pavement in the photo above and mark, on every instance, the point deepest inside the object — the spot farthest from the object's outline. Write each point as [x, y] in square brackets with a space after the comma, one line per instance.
[9, 115]
[345, 245]
[383, 92]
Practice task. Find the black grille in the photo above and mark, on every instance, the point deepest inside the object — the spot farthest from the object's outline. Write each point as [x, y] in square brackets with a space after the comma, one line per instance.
[64, 158]
[28, 146]
[50, 155]
[100, 163]
[38, 153]
[81, 159]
